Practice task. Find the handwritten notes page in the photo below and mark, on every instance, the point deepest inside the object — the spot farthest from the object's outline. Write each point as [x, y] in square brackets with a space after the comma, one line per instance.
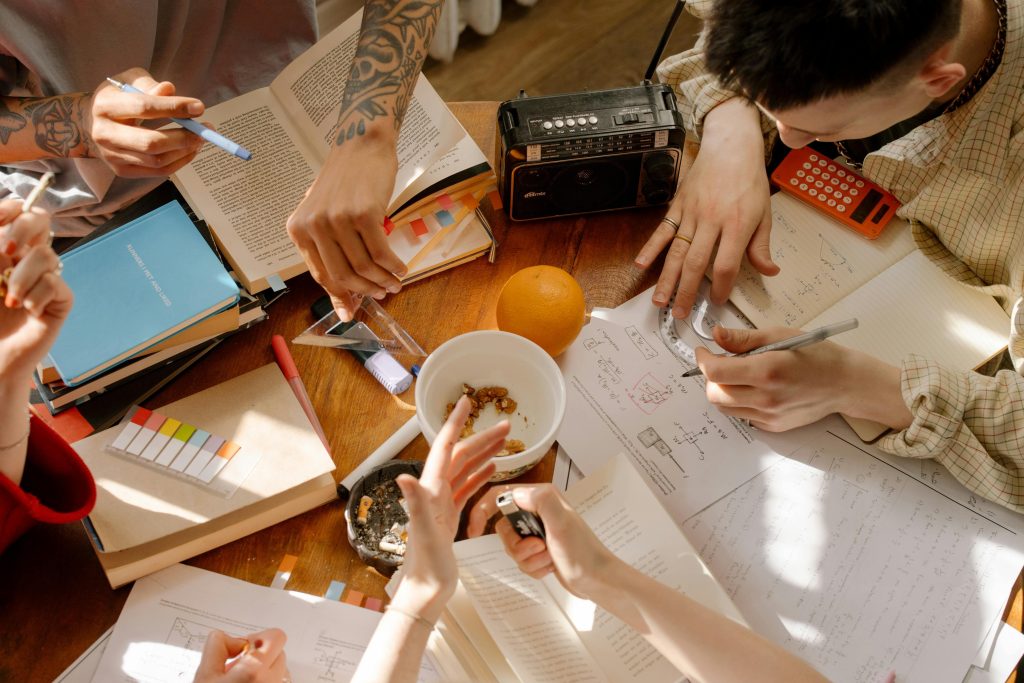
[625, 391]
[160, 634]
[821, 262]
[858, 567]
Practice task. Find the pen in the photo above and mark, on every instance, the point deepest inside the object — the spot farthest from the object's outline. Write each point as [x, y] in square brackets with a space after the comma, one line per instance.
[291, 373]
[199, 129]
[386, 451]
[812, 337]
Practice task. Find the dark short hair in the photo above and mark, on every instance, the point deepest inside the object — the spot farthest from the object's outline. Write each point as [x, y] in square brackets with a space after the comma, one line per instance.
[788, 53]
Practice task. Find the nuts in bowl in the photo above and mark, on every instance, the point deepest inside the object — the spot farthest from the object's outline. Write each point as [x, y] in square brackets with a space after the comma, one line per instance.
[519, 381]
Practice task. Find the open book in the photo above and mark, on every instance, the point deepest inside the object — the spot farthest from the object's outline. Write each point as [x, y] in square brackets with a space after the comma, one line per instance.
[289, 127]
[504, 626]
[146, 519]
[904, 302]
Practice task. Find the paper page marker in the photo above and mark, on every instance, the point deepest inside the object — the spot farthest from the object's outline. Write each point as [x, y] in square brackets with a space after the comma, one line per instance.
[160, 439]
[147, 432]
[132, 429]
[189, 450]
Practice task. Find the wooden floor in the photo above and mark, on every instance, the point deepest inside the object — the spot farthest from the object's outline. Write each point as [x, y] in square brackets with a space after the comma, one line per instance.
[560, 46]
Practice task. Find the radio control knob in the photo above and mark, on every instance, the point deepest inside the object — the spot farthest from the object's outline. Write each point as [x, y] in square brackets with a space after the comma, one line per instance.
[570, 122]
[559, 123]
[548, 125]
[592, 119]
[582, 121]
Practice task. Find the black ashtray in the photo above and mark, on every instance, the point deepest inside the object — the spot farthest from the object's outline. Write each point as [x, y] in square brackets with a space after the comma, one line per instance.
[384, 512]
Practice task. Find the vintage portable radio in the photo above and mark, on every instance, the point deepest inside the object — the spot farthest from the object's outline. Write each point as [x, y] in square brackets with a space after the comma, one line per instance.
[589, 151]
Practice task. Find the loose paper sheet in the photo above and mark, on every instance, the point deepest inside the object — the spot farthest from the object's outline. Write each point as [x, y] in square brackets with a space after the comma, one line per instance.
[161, 632]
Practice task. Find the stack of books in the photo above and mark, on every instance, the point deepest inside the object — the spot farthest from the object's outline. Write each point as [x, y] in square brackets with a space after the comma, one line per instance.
[152, 296]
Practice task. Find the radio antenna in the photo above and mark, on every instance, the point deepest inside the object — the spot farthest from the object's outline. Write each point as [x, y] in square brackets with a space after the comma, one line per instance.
[664, 39]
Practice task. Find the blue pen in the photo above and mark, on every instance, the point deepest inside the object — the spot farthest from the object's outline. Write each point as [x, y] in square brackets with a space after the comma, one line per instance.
[199, 129]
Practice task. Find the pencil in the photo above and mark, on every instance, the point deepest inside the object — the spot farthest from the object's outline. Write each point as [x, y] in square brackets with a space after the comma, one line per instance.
[800, 340]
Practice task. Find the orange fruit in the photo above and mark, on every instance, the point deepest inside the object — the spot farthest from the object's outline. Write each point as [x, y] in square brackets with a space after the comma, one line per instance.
[544, 304]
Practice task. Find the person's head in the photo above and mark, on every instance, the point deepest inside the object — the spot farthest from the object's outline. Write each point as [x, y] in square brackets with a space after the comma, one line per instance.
[835, 69]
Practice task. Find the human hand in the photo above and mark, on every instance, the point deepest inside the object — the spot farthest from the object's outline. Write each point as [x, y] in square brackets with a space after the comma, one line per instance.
[257, 658]
[338, 226]
[571, 550]
[454, 471]
[37, 299]
[723, 199]
[113, 125]
[781, 390]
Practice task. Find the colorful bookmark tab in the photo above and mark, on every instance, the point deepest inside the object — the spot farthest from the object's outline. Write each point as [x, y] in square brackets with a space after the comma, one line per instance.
[218, 462]
[275, 282]
[376, 604]
[284, 571]
[470, 202]
[335, 590]
[160, 439]
[204, 456]
[189, 450]
[445, 202]
[389, 227]
[147, 432]
[353, 597]
[419, 227]
[174, 446]
[131, 430]
[444, 218]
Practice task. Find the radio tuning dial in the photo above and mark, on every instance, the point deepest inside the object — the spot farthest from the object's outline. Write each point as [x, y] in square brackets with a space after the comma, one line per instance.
[593, 119]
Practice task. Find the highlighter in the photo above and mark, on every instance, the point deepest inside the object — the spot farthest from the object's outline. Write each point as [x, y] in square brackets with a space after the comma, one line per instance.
[381, 364]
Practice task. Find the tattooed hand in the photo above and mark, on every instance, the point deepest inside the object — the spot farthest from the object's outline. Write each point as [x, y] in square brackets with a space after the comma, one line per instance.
[113, 126]
[338, 227]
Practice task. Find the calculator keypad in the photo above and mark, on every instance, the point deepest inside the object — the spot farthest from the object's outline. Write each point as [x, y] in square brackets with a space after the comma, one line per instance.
[854, 201]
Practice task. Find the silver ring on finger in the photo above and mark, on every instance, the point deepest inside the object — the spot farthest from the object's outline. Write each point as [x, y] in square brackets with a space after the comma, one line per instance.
[674, 223]
[59, 268]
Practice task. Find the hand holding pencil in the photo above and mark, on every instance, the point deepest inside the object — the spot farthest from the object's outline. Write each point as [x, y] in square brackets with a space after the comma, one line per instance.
[807, 380]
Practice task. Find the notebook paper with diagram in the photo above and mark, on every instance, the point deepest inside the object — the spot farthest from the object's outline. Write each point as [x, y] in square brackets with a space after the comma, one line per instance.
[504, 626]
[289, 127]
[145, 520]
[904, 302]
[161, 632]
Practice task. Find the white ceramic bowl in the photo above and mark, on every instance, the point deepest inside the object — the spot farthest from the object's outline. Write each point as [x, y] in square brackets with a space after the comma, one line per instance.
[492, 358]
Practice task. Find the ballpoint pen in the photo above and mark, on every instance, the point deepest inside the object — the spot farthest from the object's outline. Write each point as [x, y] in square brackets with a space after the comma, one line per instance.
[199, 129]
[812, 337]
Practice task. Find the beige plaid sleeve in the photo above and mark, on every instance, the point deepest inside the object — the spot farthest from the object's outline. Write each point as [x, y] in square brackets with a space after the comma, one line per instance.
[971, 423]
[697, 91]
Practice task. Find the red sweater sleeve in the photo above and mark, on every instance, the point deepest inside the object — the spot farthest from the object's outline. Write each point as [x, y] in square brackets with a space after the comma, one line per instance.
[56, 487]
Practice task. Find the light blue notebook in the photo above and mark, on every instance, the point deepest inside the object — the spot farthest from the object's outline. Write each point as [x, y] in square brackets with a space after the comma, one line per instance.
[134, 287]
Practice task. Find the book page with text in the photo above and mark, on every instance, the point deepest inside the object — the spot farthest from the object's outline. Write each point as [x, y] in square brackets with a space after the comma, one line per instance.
[821, 262]
[533, 634]
[311, 87]
[913, 307]
[247, 203]
[616, 503]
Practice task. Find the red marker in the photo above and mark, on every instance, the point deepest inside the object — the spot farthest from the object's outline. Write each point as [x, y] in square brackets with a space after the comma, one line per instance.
[291, 373]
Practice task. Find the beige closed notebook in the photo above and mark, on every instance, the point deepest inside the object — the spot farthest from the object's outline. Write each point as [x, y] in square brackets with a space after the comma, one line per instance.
[137, 505]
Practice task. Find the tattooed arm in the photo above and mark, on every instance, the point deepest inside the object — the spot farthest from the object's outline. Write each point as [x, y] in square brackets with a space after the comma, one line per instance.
[338, 226]
[102, 124]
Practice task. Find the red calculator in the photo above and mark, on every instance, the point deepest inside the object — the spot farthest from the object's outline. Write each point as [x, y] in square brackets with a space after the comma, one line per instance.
[850, 198]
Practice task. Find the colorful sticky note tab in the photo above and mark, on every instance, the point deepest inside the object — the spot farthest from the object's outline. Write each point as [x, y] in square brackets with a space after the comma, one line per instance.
[174, 446]
[470, 202]
[147, 432]
[275, 282]
[284, 571]
[132, 429]
[444, 218]
[189, 450]
[419, 227]
[354, 597]
[335, 590]
[388, 225]
[445, 202]
[376, 604]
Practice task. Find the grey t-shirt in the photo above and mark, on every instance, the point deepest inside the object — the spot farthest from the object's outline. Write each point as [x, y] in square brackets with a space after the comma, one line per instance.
[210, 49]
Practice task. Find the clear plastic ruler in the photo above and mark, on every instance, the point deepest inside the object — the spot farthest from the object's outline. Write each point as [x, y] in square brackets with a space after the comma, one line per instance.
[701, 322]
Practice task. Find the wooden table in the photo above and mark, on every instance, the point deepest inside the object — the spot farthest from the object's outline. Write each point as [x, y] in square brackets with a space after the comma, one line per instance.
[55, 601]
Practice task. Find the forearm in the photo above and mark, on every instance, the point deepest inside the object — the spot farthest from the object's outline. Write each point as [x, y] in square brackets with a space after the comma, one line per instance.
[393, 43]
[870, 389]
[396, 648]
[700, 642]
[42, 128]
[13, 426]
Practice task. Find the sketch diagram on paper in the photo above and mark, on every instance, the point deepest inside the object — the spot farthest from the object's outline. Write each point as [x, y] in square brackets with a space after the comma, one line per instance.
[640, 343]
[649, 438]
[649, 393]
[189, 635]
[832, 258]
[332, 657]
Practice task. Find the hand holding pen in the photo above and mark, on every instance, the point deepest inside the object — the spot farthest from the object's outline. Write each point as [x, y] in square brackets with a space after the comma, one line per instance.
[112, 127]
[790, 343]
